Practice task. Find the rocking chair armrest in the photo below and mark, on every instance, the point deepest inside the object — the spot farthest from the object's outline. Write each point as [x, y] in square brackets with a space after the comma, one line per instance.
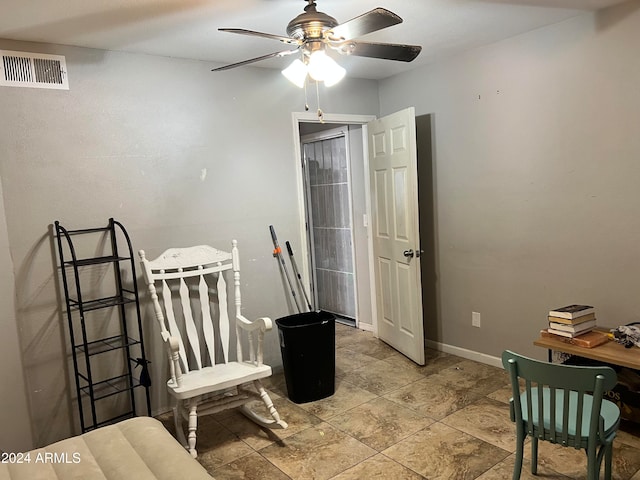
[173, 346]
[172, 343]
[263, 323]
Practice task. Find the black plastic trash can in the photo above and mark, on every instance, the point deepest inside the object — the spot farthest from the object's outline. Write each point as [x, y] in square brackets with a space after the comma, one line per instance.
[308, 347]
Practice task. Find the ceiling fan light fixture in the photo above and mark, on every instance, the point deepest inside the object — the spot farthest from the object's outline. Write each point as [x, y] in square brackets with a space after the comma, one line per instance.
[296, 73]
[335, 75]
[323, 68]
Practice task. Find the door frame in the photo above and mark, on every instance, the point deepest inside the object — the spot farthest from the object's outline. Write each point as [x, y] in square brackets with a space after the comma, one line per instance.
[344, 119]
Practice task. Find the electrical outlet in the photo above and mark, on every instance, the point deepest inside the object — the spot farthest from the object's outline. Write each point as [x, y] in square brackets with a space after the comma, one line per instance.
[475, 319]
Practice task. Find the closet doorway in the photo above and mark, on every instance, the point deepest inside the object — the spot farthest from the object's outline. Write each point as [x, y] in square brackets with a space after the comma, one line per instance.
[329, 219]
[306, 126]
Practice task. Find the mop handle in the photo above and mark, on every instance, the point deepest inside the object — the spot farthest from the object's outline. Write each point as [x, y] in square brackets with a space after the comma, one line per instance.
[294, 265]
[277, 252]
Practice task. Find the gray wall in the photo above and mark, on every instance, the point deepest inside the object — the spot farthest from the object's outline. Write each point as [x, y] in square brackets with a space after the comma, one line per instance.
[15, 434]
[537, 178]
[535, 182]
[132, 139]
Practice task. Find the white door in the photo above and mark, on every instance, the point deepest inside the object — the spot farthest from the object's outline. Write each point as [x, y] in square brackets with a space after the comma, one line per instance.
[396, 240]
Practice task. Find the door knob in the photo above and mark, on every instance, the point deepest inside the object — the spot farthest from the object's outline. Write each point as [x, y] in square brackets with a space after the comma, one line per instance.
[408, 253]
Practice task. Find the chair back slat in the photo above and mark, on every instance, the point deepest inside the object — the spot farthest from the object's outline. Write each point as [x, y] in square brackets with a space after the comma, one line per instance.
[599, 392]
[189, 324]
[173, 325]
[529, 406]
[579, 411]
[565, 417]
[224, 316]
[539, 428]
[235, 255]
[207, 321]
[552, 411]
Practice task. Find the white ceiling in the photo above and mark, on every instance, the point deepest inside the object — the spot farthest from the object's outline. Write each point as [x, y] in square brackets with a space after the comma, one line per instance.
[189, 28]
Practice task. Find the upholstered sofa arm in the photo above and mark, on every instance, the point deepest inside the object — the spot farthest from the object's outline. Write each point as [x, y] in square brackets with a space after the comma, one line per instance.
[139, 448]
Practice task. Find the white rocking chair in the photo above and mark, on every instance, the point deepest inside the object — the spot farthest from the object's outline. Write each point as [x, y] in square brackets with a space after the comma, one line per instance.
[204, 380]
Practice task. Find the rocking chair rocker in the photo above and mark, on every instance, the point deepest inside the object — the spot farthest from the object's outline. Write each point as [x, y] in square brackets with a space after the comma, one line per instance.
[202, 378]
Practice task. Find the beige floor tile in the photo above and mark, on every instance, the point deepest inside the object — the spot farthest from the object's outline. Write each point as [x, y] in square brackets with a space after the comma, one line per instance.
[250, 467]
[629, 433]
[320, 452]
[346, 336]
[433, 397]
[346, 330]
[380, 423]
[276, 385]
[504, 470]
[503, 394]
[218, 446]
[259, 437]
[476, 377]
[573, 463]
[346, 397]
[381, 377]
[434, 362]
[442, 452]
[249, 432]
[364, 342]
[488, 420]
[626, 462]
[348, 360]
[378, 467]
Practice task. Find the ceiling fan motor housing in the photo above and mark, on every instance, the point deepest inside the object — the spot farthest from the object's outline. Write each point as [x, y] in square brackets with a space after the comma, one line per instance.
[311, 24]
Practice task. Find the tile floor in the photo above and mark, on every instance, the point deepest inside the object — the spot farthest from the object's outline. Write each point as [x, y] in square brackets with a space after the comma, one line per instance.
[391, 419]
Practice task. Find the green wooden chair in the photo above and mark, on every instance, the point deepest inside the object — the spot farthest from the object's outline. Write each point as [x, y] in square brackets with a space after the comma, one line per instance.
[569, 401]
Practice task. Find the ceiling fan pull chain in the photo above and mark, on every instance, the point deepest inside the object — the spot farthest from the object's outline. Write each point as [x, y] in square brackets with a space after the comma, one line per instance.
[320, 113]
[306, 100]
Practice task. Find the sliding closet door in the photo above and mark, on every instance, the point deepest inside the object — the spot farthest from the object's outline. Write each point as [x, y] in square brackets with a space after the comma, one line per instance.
[329, 222]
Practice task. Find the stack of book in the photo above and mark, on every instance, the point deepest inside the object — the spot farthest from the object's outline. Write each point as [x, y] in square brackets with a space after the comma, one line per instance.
[572, 320]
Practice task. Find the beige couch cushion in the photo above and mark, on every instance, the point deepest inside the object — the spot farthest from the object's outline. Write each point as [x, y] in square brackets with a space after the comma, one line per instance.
[139, 448]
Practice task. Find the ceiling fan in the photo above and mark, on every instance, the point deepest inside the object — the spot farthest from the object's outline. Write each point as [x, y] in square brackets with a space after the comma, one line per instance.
[314, 32]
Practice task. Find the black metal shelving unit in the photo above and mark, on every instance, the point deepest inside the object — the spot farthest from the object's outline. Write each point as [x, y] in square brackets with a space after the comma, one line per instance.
[105, 351]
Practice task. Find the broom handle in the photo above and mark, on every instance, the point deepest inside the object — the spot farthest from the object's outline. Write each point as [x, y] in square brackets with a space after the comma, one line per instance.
[277, 252]
[294, 265]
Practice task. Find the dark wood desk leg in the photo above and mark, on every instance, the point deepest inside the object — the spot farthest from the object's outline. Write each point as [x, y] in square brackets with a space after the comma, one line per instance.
[550, 355]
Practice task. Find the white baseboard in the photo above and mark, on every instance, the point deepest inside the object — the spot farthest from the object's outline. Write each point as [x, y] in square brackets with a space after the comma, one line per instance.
[367, 327]
[464, 353]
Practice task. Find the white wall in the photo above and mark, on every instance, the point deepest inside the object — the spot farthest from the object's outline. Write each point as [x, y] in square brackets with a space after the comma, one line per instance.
[132, 139]
[537, 178]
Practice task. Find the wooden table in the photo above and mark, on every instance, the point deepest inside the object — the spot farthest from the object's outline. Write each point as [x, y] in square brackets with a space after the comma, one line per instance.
[609, 352]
